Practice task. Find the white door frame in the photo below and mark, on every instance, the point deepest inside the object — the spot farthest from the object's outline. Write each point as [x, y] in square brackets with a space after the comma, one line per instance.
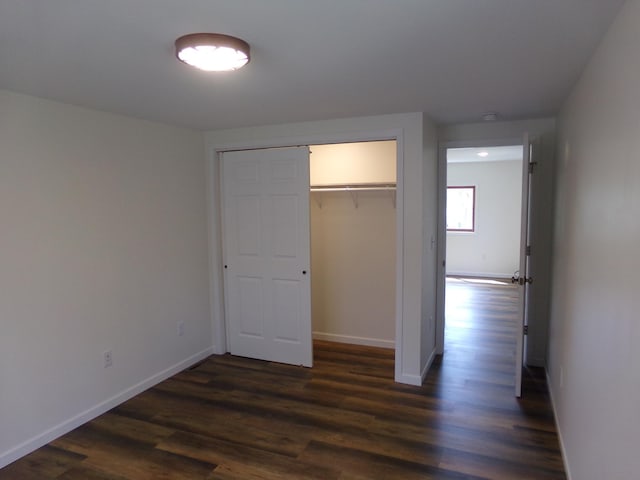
[442, 221]
[215, 223]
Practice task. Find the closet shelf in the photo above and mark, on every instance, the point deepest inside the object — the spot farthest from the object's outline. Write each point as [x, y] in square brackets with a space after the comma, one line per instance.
[353, 190]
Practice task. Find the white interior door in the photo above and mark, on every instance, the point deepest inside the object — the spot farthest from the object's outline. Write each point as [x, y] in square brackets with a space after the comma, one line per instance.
[266, 254]
[524, 278]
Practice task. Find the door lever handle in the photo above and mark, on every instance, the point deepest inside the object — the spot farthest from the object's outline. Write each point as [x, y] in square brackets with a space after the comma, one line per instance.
[522, 280]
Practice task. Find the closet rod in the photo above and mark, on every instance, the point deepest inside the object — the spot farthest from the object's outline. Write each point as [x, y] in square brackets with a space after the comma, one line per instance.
[353, 188]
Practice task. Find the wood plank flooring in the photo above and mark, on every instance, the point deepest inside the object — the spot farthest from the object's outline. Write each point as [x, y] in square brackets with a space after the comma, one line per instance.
[233, 418]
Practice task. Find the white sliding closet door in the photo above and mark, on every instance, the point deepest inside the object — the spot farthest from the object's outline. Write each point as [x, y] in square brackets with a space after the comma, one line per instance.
[266, 254]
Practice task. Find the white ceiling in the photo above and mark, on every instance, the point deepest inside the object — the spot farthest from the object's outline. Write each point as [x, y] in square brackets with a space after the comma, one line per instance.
[493, 154]
[454, 59]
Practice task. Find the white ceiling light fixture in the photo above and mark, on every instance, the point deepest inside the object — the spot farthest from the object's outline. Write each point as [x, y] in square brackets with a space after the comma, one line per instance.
[212, 52]
[483, 154]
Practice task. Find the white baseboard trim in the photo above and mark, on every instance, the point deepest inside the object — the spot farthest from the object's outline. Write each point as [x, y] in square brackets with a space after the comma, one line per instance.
[416, 380]
[409, 379]
[47, 436]
[371, 342]
[555, 418]
[480, 275]
[426, 368]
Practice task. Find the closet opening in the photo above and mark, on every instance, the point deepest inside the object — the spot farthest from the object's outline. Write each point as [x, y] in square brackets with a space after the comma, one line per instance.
[353, 235]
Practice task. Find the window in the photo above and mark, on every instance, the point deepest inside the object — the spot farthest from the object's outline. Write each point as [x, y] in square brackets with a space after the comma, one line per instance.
[461, 209]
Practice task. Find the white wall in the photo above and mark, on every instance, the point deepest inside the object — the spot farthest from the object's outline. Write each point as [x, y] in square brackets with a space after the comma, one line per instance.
[353, 260]
[353, 163]
[493, 249]
[511, 133]
[412, 210]
[429, 260]
[594, 356]
[103, 247]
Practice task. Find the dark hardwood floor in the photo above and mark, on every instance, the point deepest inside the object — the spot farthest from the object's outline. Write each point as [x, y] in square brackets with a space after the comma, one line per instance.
[234, 418]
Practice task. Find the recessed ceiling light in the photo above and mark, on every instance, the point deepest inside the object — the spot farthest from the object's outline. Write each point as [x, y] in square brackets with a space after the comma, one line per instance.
[483, 154]
[490, 117]
[212, 52]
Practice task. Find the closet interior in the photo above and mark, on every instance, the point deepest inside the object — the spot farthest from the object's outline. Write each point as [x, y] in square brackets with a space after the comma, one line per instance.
[353, 242]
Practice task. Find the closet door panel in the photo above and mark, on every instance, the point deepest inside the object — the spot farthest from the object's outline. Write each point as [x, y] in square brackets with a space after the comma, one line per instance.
[266, 251]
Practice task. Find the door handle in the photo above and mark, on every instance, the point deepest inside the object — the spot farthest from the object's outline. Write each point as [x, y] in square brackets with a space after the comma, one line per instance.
[522, 280]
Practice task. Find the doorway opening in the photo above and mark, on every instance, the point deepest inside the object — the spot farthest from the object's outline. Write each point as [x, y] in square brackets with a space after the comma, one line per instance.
[484, 219]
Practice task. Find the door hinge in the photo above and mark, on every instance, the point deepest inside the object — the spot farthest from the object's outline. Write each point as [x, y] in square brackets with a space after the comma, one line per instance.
[532, 166]
[528, 251]
[525, 329]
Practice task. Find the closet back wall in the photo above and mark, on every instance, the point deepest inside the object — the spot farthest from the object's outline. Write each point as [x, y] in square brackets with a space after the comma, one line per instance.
[353, 248]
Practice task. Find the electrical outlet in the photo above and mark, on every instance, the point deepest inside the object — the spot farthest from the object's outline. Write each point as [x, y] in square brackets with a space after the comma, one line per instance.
[108, 358]
[180, 329]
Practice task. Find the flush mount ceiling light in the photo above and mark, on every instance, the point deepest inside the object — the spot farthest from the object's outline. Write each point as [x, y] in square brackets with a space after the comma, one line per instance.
[490, 116]
[483, 154]
[212, 52]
